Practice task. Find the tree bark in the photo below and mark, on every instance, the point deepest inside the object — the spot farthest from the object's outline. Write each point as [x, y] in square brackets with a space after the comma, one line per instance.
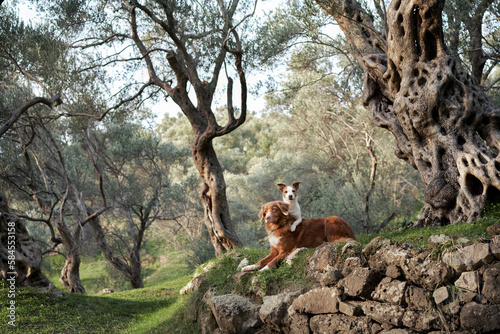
[365, 206]
[22, 249]
[70, 274]
[213, 198]
[444, 124]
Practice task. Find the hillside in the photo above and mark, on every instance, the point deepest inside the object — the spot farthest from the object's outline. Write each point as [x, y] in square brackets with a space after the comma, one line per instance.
[160, 308]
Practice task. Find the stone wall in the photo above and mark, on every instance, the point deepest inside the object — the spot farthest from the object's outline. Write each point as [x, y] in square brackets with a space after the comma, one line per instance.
[384, 288]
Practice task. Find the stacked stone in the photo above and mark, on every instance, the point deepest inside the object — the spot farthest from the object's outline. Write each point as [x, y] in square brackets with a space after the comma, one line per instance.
[388, 288]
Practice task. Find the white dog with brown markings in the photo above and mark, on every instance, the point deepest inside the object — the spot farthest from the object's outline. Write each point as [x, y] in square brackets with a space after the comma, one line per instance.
[291, 196]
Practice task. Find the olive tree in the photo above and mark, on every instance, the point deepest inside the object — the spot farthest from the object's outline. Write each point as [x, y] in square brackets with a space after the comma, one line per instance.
[184, 48]
[444, 123]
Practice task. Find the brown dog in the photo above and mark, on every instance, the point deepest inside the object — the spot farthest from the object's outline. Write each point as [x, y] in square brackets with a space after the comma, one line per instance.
[310, 233]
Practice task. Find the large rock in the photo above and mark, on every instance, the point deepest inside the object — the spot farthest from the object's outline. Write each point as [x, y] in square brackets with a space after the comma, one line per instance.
[469, 258]
[495, 247]
[350, 308]
[383, 313]
[297, 324]
[360, 282]
[390, 291]
[417, 298]
[441, 295]
[317, 301]
[339, 324]
[493, 230]
[421, 320]
[193, 285]
[426, 273]
[479, 318]
[389, 255]
[330, 276]
[274, 308]
[323, 256]
[235, 314]
[491, 285]
[207, 321]
[438, 240]
[468, 280]
[374, 245]
[352, 263]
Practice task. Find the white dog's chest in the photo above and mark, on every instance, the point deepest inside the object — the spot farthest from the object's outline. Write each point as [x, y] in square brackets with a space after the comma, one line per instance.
[295, 210]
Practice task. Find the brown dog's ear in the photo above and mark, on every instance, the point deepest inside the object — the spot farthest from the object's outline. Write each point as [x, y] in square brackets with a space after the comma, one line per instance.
[281, 186]
[296, 185]
[284, 207]
[261, 213]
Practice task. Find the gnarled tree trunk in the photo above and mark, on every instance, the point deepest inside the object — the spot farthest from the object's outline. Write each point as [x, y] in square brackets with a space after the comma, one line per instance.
[213, 198]
[20, 255]
[70, 274]
[445, 125]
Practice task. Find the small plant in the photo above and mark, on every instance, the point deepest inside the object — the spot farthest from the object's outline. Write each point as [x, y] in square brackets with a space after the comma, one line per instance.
[404, 224]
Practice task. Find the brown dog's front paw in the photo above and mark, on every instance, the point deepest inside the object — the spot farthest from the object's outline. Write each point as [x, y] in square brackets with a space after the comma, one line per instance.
[251, 267]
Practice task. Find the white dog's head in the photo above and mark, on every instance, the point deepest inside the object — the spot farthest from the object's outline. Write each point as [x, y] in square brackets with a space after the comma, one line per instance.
[289, 192]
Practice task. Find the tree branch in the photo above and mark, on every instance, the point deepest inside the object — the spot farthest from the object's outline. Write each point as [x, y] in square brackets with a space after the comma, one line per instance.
[54, 101]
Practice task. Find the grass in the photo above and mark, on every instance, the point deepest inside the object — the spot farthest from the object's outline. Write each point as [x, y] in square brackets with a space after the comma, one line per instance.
[150, 310]
[418, 237]
[159, 308]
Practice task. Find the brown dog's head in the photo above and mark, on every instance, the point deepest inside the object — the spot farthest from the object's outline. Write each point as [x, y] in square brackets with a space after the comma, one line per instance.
[289, 192]
[274, 212]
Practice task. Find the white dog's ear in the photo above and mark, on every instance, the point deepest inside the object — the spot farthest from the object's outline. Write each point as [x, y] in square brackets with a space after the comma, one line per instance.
[296, 185]
[284, 208]
[281, 186]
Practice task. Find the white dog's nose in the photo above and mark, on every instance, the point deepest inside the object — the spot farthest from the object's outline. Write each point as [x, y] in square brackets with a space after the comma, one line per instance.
[290, 196]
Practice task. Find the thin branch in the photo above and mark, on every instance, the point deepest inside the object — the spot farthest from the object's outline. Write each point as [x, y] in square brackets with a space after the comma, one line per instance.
[24, 72]
[116, 106]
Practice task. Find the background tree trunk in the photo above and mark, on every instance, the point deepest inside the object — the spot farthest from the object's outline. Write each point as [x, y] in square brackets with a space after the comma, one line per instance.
[213, 198]
[445, 125]
[132, 274]
[28, 255]
[70, 274]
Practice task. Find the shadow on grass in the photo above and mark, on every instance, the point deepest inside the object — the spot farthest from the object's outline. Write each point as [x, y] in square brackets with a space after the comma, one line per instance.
[38, 312]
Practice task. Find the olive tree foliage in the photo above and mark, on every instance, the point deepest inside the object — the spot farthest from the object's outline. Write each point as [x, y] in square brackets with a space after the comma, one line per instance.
[183, 49]
[444, 123]
[472, 35]
[301, 24]
[290, 147]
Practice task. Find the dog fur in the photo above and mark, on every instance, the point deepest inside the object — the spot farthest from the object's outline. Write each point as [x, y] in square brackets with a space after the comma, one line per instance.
[310, 233]
[291, 196]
